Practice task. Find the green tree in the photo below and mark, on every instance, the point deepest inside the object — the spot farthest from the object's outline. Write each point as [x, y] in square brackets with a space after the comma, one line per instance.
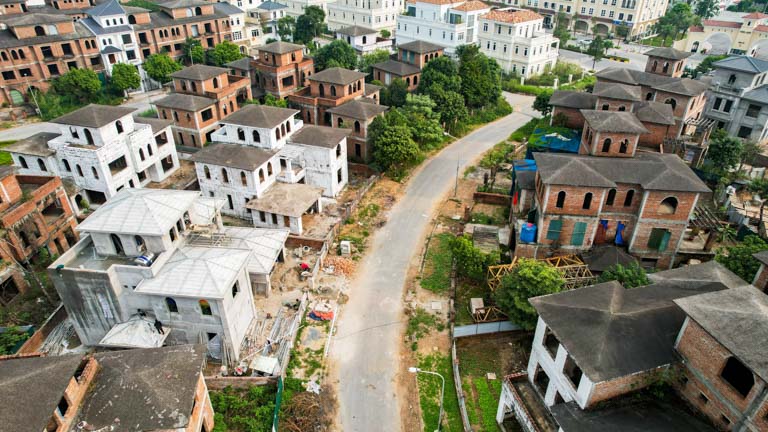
[286, 26]
[471, 262]
[224, 53]
[706, 65]
[706, 9]
[423, 120]
[630, 276]
[529, 278]
[309, 25]
[597, 49]
[11, 337]
[394, 95]
[480, 77]
[377, 56]
[393, 146]
[125, 77]
[385, 34]
[82, 84]
[336, 54]
[724, 151]
[738, 258]
[750, 150]
[541, 103]
[193, 51]
[677, 20]
[561, 29]
[160, 66]
[450, 106]
[441, 71]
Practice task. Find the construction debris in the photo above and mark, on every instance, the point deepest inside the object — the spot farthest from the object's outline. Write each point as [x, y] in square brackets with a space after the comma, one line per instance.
[305, 412]
[339, 265]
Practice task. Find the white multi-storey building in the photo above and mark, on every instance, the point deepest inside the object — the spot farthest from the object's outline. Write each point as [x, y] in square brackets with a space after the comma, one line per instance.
[376, 14]
[518, 42]
[267, 166]
[114, 35]
[448, 23]
[296, 7]
[363, 39]
[101, 149]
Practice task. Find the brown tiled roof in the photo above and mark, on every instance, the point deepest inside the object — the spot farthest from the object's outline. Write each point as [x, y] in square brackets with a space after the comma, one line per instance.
[755, 15]
[512, 17]
[199, 72]
[716, 23]
[337, 75]
[668, 53]
[396, 68]
[185, 102]
[573, 99]
[280, 47]
[472, 5]
[762, 28]
[260, 116]
[420, 47]
[359, 109]
[655, 112]
[617, 91]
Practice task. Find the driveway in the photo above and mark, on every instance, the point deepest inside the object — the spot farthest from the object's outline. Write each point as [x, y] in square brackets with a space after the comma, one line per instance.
[369, 336]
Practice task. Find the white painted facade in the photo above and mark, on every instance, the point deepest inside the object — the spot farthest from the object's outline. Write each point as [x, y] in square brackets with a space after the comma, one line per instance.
[324, 167]
[109, 160]
[296, 7]
[441, 24]
[237, 186]
[376, 14]
[366, 43]
[522, 48]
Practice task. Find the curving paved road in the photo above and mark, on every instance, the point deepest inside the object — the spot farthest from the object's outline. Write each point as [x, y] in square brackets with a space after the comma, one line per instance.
[366, 347]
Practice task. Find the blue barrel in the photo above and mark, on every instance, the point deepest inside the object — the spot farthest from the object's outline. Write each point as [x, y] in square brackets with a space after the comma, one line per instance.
[528, 233]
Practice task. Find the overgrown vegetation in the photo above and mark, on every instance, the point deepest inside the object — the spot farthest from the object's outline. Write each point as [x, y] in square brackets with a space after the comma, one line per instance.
[471, 262]
[5, 157]
[630, 276]
[738, 258]
[146, 4]
[429, 394]
[524, 131]
[437, 264]
[11, 338]
[529, 278]
[420, 323]
[250, 409]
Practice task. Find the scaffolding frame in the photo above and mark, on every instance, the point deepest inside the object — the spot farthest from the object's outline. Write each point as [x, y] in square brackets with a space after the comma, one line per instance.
[573, 269]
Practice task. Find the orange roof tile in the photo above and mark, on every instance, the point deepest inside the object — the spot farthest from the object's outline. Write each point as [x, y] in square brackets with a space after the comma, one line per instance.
[472, 5]
[716, 23]
[438, 2]
[762, 28]
[512, 17]
[696, 29]
[756, 15]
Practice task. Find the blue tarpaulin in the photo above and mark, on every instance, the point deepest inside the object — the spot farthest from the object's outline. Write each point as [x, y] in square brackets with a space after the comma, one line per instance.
[554, 141]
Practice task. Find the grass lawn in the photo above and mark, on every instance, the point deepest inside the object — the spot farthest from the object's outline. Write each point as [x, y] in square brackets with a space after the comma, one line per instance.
[5, 157]
[466, 290]
[429, 394]
[658, 41]
[437, 266]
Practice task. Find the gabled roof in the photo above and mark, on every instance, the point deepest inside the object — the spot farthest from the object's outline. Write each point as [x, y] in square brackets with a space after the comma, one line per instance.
[319, 136]
[260, 116]
[110, 49]
[240, 64]
[198, 272]
[737, 319]
[238, 156]
[635, 77]
[742, 63]
[108, 8]
[97, 29]
[617, 91]
[185, 102]
[755, 15]
[337, 75]
[668, 53]
[157, 124]
[573, 99]
[140, 211]
[613, 121]
[94, 116]
[359, 109]
[397, 68]
[602, 258]
[265, 245]
[356, 30]
[420, 47]
[270, 5]
[472, 5]
[32, 387]
[512, 17]
[199, 72]
[613, 332]
[654, 112]
[280, 47]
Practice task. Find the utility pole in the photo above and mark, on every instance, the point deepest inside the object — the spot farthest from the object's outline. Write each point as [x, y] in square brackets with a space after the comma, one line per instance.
[34, 99]
[456, 183]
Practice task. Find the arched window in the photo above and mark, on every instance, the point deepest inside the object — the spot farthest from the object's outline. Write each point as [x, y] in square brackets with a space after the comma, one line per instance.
[171, 304]
[357, 126]
[139, 240]
[256, 136]
[322, 90]
[14, 55]
[194, 86]
[269, 169]
[66, 165]
[666, 67]
[649, 96]
[655, 64]
[240, 134]
[235, 289]
[622, 108]
[671, 101]
[732, 79]
[95, 173]
[131, 19]
[339, 122]
[119, 126]
[587, 201]
[261, 175]
[207, 172]
[282, 129]
[277, 133]
[23, 162]
[224, 175]
[41, 165]
[89, 136]
[79, 171]
[333, 90]
[560, 199]
[628, 198]
[738, 376]
[243, 178]
[4, 56]
[117, 244]
[39, 31]
[21, 54]
[408, 81]
[606, 145]
[624, 146]
[205, 307]
[365, 39]
[149, 149]
[288, 126]
[668, 206]
[215, 83]
[350, 89]
[198, 11]
[338, 150]
[141, 154]
[611, 197]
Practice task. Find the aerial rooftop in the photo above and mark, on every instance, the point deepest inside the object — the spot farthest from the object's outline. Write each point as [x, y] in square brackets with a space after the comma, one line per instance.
[260, 116]
[94, 116]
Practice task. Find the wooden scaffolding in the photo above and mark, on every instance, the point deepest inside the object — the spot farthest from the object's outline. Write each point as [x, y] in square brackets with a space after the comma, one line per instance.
[573, 269]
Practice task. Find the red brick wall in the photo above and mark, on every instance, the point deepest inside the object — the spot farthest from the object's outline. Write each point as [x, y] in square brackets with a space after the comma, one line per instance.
[574, 200]
[657, 134]
[655, 65]
[620, 386]
[614, 104]
[575, 120]
[685, 203]
[761, 278]
[592, 142]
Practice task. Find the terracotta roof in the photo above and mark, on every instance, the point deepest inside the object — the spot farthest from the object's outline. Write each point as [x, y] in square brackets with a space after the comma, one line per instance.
[762, 28]
[337, 75]
[716, 23]
[756, 15]
[199, 72]
[436, 2]
[472, 5]
[512, 17]
[420, 47]
[695, 29]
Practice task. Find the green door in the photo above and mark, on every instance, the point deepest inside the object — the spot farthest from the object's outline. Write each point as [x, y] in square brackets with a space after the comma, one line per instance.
[577, 237]
[16, 97]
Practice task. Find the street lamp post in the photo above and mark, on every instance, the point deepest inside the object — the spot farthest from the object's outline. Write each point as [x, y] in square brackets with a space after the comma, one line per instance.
[442, 391]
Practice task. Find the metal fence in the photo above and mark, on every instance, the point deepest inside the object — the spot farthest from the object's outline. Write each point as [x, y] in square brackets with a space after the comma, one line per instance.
[484, 328]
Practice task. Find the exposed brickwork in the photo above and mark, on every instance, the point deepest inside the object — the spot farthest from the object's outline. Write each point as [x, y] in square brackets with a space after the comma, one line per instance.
[656, 135]
[282, 74]
[75, 393]
[607, 104]
[606, 390]
[607, 144]
[573, 116]
[202, 412]
[761, 278]
[667, 67]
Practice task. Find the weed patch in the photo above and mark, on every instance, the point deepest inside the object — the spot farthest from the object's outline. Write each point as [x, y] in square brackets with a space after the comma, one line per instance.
[437, 265]
[429, 394]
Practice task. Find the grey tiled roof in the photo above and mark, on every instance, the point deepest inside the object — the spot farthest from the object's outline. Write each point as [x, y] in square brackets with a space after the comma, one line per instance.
[759, 95]
[397, 68]
[8, 40]
[636, 77]
[742, 63]
[356, 31]
[573, 99]
[617, 91]
[199, 72]
[684, 86]
[110, 49]
[337, 75]
[94, 116]
[36, 145]
[613, 121]
[97, 29]
[175, 4]
[369, 88]
[28, 19]
[185, 102]
[358, 109]
[319, 136]
[270, 5]
[109, 7]
[668, 53]
[420, 47]
[655, 112]
[156, 124]
[241, 64]
[260, 116]
[233, 156]
[652, 171]
[280, 47]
